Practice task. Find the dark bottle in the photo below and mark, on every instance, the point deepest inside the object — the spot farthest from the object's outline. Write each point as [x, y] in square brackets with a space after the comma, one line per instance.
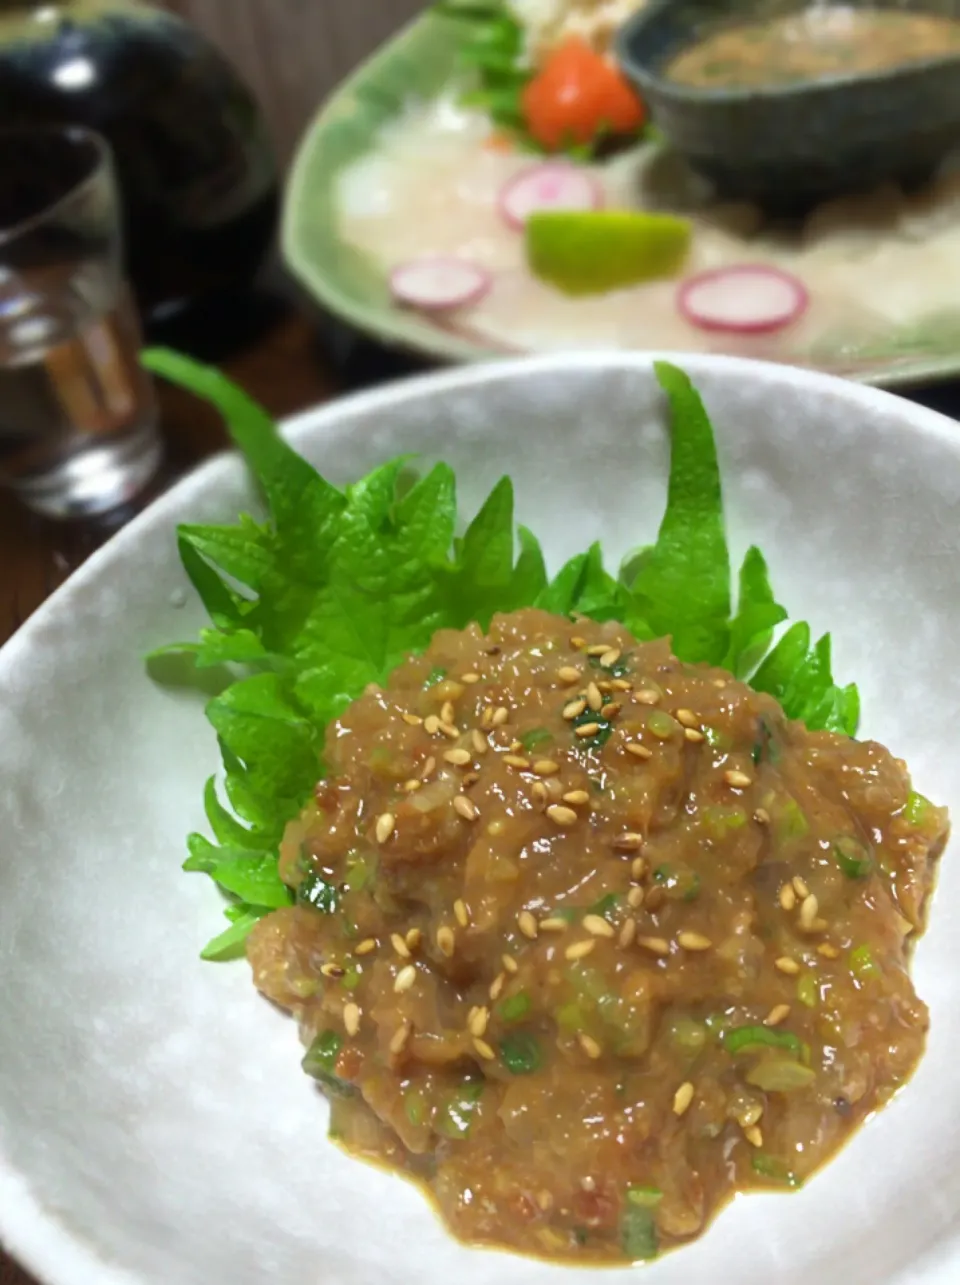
[197, 172]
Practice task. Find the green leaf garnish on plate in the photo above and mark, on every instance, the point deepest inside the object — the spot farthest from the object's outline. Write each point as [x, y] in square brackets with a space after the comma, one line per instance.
[335, 588]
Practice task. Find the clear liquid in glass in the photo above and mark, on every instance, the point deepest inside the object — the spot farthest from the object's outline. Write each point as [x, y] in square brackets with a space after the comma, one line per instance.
[77, 414]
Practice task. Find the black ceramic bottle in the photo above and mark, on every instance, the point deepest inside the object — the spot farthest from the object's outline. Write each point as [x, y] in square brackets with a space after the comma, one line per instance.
[196, 169]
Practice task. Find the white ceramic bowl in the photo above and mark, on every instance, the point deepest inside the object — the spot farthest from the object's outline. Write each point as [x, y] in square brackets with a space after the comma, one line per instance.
[155, 1127]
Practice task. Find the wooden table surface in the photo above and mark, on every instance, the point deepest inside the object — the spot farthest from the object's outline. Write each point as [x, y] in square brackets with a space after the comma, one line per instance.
[289, 367]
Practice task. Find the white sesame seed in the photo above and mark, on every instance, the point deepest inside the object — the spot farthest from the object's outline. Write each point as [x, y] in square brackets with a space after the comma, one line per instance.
[808, 912]
[446, 941]
[465, 807]
[527, 924]
[351, 1018]
[580, 949]
[655, 945]
[555, 924]
[484, 1050]
[597, 926]
[694, 941]
[589, 1045]
[546, 767]
[561, 816]
[400, 1037]
[477, 1022]
[385, 826]
[682, 1098]
[586, 729]
[738, 780]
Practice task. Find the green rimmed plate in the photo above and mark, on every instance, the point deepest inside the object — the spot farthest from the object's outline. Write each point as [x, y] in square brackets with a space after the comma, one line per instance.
[419, 63]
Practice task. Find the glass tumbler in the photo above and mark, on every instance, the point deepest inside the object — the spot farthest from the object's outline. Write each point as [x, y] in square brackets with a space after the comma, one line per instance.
[78, 420]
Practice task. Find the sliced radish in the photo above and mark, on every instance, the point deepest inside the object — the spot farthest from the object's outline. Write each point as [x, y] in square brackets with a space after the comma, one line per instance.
[437, 284]
[751, 299]
[554, 185]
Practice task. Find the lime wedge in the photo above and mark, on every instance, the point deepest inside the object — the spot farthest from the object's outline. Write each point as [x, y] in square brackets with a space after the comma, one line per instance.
[591, 252]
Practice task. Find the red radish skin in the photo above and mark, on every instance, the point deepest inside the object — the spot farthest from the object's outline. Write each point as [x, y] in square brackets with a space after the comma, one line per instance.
[555, 185]
[751, 299]
[439, 284]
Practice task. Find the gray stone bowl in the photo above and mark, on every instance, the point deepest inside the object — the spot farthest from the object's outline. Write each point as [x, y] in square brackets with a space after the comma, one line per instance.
[791, 146]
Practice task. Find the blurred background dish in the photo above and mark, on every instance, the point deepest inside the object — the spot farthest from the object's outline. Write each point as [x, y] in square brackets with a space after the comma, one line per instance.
[790, 104]
[384, 177]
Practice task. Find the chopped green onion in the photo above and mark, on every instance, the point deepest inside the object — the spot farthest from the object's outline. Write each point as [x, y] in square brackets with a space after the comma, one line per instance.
[852, 856]
[679, 883]
[743, 1038]
[514, 1007]
[768, 1167]
[605, 904]
[359, 873]
[536, 737]
[688, 1034]
[569, 1017]
[780, 1075]
[455, 1116]
[916, 808]
[638, 1232]
[720, 820]
[351, 977]
[436, 675]
[807, 990]
[316, 892]
[520, 1053]
[766, 749]
[320, 1062]
[661, 725]
[862, 963]
[718, 1024]
[415, 1106]
[791, 823]
[645, 1197]
[715, 739]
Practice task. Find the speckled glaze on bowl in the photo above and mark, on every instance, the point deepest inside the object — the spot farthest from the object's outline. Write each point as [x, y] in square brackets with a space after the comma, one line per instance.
[790, 146]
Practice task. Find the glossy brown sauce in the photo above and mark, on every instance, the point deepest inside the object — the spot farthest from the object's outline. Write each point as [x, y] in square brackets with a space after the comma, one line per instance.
[819, 42]
[588, 939]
